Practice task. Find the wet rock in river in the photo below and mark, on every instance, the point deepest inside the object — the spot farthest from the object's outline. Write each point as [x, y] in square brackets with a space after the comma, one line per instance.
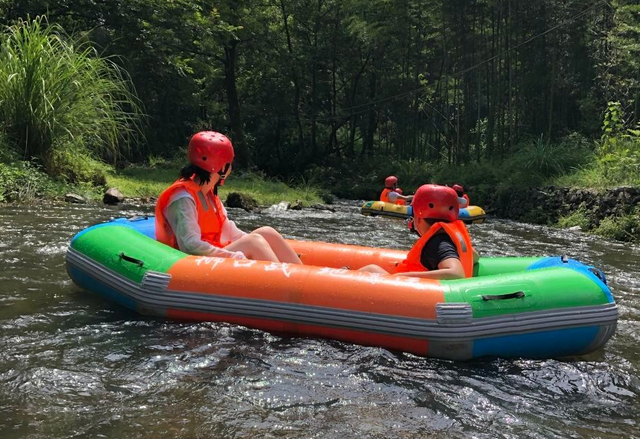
[242, 201]
[113, 196]
[74, 198]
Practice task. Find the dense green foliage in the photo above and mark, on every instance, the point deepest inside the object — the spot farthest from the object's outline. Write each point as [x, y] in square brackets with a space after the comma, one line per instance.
[60, 103]
[624, 228]
[332, 94]
[300, 84]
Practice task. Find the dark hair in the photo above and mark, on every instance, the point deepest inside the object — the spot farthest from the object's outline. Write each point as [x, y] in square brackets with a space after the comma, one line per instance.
[188, 171]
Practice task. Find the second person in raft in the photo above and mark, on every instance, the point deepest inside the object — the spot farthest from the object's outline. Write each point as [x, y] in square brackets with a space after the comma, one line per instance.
[463, 199]
[190, 216]
[392, 193]
[444, 249]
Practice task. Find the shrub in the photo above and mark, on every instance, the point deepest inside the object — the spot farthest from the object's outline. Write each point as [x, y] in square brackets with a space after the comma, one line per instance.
[55, 92]
[623, 228]
[75, 165]
[20, 181]
[577, 218]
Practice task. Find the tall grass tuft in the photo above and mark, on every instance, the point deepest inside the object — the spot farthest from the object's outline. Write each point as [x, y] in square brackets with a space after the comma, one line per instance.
[539, 160]
[57, 93]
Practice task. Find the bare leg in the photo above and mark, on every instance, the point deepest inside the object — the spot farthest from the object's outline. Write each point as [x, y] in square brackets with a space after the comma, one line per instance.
[373, 268]
[278, 245]
[255, 247]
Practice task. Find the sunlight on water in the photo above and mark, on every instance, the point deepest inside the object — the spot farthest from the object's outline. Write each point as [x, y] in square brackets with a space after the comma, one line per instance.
[74, 365]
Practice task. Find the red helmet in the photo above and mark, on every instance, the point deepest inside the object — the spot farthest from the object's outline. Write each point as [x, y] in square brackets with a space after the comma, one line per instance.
[210, 151]
[435, 202]
[390, 181]
[457, 188]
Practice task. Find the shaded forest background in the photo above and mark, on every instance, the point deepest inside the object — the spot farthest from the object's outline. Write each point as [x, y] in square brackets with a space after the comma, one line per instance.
[305, 85]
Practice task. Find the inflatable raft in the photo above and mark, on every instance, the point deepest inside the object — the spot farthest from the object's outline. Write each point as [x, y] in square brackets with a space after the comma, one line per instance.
[513, 307]
[469, 215]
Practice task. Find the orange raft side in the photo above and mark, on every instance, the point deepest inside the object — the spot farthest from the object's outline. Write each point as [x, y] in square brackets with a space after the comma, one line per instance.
[310, 289]
[323, 254]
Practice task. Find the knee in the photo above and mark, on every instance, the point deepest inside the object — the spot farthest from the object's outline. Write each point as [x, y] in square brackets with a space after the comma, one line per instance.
[257, 240]
[267, 232]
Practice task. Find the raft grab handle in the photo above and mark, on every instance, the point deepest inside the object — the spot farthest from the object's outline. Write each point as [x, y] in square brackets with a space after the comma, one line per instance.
[124, 257]
[515, 295]
[598, 273]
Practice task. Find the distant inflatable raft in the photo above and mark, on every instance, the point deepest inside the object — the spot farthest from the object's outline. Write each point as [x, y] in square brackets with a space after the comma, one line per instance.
[469, 215]
[535, 307]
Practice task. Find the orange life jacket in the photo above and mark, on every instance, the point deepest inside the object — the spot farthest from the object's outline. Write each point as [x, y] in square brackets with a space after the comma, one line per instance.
[211, 215]
[467, 198]
[461, 239]
[384, 197]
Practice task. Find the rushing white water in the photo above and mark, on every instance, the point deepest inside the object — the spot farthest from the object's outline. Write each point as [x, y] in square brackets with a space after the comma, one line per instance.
[75, 366]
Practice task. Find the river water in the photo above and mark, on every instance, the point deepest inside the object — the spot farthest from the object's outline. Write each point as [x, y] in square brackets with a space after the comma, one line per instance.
[73, 365]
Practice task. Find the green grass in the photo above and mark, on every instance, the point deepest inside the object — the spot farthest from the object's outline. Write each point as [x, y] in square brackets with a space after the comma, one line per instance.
[138, 181]
[602, 175]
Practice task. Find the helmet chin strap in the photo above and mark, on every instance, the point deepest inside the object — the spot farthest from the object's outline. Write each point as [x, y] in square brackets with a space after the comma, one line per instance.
[222, 174]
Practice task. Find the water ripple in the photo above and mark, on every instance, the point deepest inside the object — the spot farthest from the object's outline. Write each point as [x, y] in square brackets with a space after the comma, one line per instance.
[73, 365]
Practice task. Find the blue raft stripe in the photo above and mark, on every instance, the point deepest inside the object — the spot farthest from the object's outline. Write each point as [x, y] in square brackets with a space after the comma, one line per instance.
[89, 283]
[573, 264]
[145, 225]
[557, 343]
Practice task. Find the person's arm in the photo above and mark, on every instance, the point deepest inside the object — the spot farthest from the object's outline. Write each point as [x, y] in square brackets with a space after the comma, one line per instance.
[408, 198]
[230, 232]
[393, 196]
[475, 256]
[183, 219]
[450, 268]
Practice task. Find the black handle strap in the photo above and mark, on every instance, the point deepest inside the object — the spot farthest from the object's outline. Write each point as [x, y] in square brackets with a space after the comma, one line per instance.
[138, 262]
[598, 273]
[515, 295]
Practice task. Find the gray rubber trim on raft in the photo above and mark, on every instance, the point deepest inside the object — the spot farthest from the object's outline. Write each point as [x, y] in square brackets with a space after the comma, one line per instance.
[158, 300]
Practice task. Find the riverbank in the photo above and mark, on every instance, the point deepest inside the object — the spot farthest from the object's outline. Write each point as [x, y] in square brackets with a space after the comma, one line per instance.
[23, 182]
[149, 182]
[611, 213]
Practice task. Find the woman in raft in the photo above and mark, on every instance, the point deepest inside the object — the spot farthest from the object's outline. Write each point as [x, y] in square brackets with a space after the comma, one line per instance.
[190, 217]
[444, 250]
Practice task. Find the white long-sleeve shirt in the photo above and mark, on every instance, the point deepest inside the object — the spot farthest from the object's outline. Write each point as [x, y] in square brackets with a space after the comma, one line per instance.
[182, 216]
[392, 196]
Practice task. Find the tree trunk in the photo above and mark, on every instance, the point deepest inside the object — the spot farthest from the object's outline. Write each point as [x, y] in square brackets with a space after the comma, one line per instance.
[238, 136]
[368, 140]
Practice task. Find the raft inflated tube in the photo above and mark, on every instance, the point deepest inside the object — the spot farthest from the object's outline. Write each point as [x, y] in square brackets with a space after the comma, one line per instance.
[469, 215]
[514, 307]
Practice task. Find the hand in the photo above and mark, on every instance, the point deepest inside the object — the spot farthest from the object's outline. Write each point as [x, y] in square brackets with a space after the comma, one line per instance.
[238, 255]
